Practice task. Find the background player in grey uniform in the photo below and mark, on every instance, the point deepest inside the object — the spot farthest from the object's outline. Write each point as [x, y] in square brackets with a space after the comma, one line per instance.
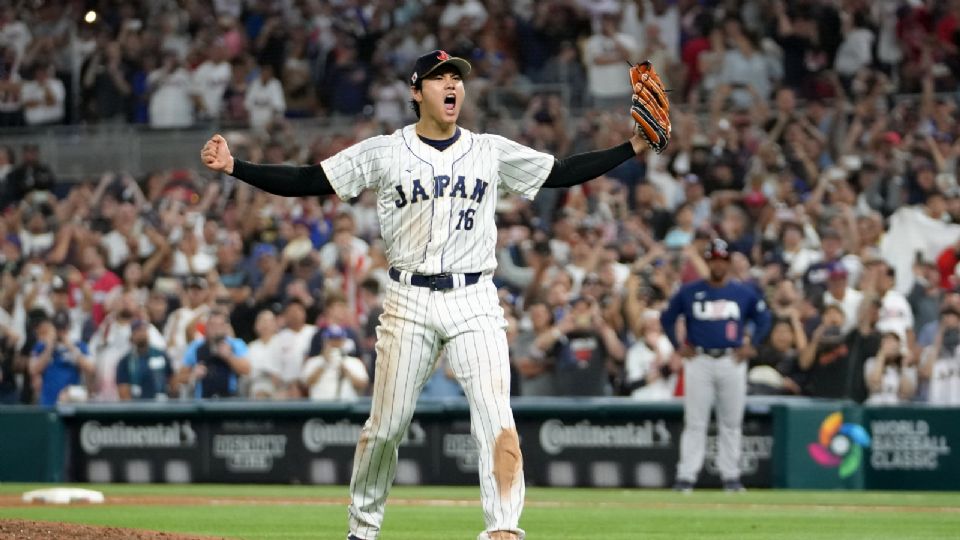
[436, 186]
[714, 311]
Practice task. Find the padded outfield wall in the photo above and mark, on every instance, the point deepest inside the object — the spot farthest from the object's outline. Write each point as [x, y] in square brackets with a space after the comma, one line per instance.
[791, 443]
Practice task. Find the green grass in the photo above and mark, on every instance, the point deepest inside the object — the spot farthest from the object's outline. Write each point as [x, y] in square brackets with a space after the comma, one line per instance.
[445, 513]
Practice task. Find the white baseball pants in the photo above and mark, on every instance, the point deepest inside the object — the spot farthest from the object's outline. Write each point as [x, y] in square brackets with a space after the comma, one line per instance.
[466, 322]
[706, 381]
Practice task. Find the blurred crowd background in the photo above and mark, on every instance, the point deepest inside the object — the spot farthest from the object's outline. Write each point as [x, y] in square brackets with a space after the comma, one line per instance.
[818, 137]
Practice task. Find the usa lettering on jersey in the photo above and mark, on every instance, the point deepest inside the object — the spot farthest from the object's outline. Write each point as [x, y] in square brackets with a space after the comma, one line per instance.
[715, 310]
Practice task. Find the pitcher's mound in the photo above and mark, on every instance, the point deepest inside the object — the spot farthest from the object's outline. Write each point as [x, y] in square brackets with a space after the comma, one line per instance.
[19, 529]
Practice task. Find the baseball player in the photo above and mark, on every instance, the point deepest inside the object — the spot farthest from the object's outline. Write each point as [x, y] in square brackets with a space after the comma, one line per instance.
[436, 186]
[715, 311]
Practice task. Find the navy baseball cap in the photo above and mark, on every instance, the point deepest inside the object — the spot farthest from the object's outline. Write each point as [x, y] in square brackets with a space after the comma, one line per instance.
[429, 62]
[334, 332]
[718, 250]
[837, 271]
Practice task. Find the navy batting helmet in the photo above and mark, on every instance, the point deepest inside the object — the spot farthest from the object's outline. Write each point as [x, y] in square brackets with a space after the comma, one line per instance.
[718, 249]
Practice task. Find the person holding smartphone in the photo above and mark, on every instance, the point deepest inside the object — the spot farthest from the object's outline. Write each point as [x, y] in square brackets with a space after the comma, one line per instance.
[214, 363]
[58, 361]
[585, 349]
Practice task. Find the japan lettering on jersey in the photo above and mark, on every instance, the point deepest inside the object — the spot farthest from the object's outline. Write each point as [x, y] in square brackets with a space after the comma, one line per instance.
[436, 208]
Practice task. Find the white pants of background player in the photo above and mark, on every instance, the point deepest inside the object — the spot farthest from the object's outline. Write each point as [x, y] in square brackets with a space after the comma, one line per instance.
[708, 381]
[416, 324]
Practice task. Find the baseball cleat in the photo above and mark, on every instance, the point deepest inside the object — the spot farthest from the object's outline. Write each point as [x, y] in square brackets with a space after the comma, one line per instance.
[683, 486]
[733, 486]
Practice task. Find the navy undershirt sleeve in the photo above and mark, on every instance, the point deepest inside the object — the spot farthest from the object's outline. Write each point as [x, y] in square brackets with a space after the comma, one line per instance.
[286, 180]
[580, 168]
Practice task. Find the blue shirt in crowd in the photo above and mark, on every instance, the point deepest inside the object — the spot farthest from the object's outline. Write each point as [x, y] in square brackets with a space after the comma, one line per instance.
[61, 372]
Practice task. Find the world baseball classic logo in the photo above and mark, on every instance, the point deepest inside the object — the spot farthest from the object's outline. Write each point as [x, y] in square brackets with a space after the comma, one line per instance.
[840, 444]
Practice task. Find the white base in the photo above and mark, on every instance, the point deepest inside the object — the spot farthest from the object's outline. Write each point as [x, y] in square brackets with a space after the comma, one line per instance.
[62, 495]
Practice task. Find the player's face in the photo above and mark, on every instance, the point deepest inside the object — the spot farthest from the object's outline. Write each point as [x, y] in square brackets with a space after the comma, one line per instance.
[441, 95]
[718, 268]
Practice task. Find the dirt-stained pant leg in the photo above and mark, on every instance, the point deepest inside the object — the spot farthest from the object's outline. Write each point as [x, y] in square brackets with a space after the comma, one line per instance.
[406, 356]
[472, 322]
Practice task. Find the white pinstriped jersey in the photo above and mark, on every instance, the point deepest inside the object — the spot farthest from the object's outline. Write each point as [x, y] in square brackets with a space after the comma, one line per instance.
[436, 208]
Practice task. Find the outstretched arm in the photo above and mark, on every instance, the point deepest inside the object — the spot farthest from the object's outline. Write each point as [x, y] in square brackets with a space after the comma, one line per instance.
[580, 168]
[285, 180]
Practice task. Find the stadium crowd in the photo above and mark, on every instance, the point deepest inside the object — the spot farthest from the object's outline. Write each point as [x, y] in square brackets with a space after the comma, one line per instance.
[814, 136]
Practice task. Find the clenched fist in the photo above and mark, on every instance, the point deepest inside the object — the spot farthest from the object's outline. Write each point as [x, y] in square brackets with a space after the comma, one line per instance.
[216, 155]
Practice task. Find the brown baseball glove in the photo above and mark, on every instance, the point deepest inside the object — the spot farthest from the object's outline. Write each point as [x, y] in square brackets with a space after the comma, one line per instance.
[651, 108]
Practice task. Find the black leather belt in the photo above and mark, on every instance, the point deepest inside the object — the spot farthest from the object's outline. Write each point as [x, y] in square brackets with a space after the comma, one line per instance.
[715, 353]
[436, 282]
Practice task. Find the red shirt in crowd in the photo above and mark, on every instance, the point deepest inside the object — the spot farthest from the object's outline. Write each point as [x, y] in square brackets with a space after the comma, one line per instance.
[101, 287]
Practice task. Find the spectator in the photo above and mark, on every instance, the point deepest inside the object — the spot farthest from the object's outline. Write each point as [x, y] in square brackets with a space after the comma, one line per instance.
[649, 374]
[585, 351]
[169, 89]
[58, 364]
[565, 69]
[926, 296]
[264, 99]
[100, 284]
[891, 376]
[30, 175]
[856, 49]
[299, 87]
[895, 312]
[112, 341]
[796, 253]
[44, 98]
[210, 80]
[145, 372]
[826, 360]
[214, 363]
[36, 238]
[235, 111]
[334, 375]
[682, 232]
[831, 247]
[744, 75]
[15, 35]
[464, 14]
[839, 293]
[106, 79]
[347, 81]
[775, 370]
[188, 258]
[293, 343]
[389, 96]
[940, 361]
[264, 355]
[182, 325]
[604, 55]
[535, 367]
[336, 311]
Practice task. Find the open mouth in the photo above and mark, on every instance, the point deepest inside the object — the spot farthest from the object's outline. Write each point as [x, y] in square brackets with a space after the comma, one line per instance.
[450, 102]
